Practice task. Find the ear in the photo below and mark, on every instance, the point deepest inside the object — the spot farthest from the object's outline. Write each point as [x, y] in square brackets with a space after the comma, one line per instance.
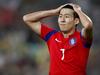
[76, 21]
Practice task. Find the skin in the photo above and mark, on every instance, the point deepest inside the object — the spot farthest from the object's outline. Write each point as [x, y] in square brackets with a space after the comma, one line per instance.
[66, 23]
[87, 30]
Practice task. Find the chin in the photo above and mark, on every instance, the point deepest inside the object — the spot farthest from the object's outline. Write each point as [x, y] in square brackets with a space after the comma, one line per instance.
[64, 30]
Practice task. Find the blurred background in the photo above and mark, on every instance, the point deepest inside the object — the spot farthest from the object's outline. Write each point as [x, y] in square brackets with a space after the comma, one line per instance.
[22, 52]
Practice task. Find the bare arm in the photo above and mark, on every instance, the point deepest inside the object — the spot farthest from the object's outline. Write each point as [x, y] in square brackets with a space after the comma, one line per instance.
[33, 19]
[86, 22]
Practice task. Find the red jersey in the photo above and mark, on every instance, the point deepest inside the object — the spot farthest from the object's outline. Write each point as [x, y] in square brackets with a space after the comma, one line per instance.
[68, 56]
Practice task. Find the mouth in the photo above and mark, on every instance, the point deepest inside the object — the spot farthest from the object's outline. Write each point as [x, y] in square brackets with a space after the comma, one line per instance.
[62, 24]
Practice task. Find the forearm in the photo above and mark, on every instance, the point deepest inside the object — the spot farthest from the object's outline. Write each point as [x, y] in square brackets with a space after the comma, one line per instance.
[85, 20]
[36, 16]
[87, 24]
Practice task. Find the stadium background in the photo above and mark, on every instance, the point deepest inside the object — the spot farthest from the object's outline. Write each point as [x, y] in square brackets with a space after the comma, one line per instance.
[22, 52]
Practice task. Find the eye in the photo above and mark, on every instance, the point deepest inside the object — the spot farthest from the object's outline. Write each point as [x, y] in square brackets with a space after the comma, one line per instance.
[60, 16]
[67, 16]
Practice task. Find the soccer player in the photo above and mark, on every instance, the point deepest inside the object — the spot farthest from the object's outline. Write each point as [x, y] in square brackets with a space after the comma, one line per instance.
[69, 48]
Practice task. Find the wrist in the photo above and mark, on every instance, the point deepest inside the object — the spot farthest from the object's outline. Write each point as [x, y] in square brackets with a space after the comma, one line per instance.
[78, 11]
[54, 11]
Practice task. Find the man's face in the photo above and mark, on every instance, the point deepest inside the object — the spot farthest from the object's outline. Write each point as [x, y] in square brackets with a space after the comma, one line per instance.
[66, 19]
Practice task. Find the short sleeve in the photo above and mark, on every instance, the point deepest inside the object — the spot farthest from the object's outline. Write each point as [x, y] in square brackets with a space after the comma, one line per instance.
[46, 32]
[84, 41]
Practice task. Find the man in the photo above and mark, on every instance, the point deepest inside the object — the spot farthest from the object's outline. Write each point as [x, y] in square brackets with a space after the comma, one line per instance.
[68, 48]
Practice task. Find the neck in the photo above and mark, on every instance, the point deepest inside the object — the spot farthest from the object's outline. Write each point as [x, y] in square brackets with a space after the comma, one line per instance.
[66, 34]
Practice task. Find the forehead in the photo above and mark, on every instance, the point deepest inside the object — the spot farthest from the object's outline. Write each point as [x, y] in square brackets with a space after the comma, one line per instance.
[66, 11]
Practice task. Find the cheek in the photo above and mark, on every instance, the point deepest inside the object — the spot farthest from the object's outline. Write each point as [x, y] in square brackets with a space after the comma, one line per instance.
[68, 20]
[59, 20]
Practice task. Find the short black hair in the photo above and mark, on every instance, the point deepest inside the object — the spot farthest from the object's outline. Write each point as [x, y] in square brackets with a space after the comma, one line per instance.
[70, 7]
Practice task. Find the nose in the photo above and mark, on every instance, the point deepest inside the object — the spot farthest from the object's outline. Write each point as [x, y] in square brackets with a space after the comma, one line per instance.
[62, 19]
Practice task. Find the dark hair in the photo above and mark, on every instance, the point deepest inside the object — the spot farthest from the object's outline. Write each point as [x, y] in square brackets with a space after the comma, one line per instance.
[75, 14]
[70, 7]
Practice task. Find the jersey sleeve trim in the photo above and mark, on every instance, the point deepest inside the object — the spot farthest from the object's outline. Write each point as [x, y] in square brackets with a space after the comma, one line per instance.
[49, 35]
[46, 32]
[85, 43]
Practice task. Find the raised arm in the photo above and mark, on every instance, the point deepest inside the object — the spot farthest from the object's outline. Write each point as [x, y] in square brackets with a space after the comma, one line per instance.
[86, 22]
[33, 19]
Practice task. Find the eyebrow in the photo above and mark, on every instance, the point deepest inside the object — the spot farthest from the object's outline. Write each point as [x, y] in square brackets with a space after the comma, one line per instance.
[65, 14]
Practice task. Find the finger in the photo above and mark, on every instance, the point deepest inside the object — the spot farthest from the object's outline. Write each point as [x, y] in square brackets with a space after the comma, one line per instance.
[71, 4]
[66, 4]
[62, 6]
